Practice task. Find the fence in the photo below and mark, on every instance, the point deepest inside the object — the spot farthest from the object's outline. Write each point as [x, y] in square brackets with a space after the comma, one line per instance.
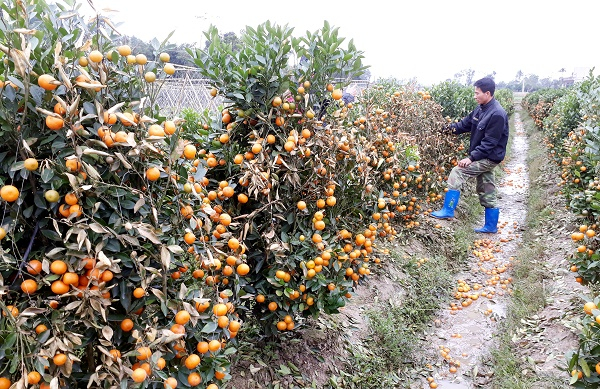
[188, 89]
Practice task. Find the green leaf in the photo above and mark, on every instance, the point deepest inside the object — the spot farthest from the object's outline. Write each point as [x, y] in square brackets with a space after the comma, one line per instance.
[127, 204]
[10, 340]
[124, 295]
[89, 108]
[573, 379]
[44, 336]
[17, 166]
[27, 212]
[14, 364]
[584, 367]
[209, 328]
[50, 234]
[284, 370]
[39, 200]
[47, 175]
[166, 40]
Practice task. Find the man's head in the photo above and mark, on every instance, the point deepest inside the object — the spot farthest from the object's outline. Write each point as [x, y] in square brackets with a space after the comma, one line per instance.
[484, 90]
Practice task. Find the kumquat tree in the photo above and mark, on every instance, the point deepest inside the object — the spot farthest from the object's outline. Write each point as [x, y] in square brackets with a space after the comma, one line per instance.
[569, 119]
[318, 181]
[99, 275]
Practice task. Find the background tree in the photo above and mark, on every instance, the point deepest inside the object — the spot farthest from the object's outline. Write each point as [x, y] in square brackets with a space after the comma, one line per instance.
[232, 39]
[138, 46]
[229, 38]
[465, 76]
[531, 83]
[492, 74]
[180, 55]
[519, 76]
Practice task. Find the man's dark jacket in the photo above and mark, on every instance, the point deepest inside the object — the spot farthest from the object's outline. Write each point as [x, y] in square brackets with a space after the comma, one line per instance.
[488, 125]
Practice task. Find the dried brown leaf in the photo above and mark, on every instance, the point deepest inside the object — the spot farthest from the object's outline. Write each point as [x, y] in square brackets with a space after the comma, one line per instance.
[107, 332]
[165, 257]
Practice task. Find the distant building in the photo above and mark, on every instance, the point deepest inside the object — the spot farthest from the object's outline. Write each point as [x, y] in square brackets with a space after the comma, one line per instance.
[578, 74]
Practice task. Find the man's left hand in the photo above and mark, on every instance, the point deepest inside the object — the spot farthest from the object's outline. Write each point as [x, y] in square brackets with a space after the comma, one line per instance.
[464, 162]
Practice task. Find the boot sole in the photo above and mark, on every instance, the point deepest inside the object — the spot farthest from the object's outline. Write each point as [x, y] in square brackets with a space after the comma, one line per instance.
[442, 217]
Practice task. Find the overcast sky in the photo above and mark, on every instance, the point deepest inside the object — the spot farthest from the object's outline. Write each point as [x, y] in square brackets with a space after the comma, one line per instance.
[428, 39]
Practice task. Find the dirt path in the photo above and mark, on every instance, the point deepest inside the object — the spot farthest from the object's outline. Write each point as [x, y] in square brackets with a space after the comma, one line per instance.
[464, 333]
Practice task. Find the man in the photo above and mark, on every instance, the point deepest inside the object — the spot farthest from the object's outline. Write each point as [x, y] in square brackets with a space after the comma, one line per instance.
[488, 125]
[350, 94]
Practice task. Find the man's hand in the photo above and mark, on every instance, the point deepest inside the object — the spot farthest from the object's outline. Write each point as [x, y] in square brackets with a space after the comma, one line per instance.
[464, 162]
[447, 128]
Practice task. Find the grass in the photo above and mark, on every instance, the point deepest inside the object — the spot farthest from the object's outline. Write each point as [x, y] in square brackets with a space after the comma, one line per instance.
[394, 344]
[464, 235]
[511, 135]
[529, 296]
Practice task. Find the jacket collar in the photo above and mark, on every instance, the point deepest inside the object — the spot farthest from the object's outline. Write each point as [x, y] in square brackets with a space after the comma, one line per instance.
[485, 107]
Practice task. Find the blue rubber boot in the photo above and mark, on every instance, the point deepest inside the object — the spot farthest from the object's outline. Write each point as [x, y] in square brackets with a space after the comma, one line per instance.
[450, 203]
[491, 221]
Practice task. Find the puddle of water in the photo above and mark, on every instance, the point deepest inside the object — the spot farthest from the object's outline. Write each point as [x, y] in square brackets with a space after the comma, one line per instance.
[465, 333]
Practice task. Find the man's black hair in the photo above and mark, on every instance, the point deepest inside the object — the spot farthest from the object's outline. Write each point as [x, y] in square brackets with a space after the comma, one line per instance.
[486, 84]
